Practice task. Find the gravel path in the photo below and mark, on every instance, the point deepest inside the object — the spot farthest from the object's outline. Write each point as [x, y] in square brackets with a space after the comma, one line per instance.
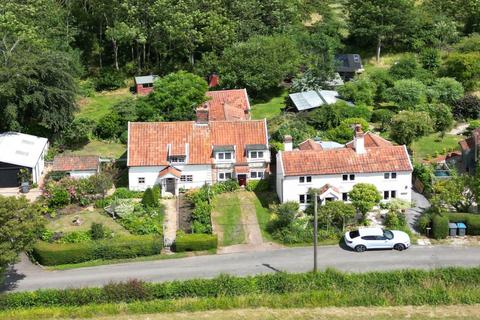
[170, 221]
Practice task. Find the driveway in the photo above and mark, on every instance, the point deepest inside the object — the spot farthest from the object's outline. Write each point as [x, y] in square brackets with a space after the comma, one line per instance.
[421, 204]
[25, 276]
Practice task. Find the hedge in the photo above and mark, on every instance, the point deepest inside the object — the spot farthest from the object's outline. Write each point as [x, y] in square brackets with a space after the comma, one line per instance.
[471, 220]
[258, 185]
[439, 226]
[195, 242]
[50, 254]
[403, 287]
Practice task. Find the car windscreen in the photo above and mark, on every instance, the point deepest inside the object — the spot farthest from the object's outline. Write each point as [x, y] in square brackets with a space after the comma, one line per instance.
[388, 234]
[354, 234]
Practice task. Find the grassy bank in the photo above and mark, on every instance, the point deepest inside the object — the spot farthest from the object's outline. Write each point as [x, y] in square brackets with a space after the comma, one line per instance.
[431, 144]
[269, 109]
[229, 218]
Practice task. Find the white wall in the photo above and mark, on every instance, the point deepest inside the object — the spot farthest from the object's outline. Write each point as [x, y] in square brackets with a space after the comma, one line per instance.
[201, 174]
[291, 188]
[279, 177]
[40, 166]
[82, 174]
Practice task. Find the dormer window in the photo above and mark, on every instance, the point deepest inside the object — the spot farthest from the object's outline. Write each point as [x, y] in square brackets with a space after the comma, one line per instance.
[177, 159]
[224, 155]
[256, 154]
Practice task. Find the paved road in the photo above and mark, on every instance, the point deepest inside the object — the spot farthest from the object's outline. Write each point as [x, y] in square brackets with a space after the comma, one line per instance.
[29, 277]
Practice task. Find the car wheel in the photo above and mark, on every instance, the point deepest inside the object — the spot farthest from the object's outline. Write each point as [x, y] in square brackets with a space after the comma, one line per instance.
[360, 248]
[399, 247]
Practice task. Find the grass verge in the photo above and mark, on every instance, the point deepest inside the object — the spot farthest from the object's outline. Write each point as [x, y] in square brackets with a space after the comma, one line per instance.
[229, 217]
[269, 109]
[96, 107]
[262, 201]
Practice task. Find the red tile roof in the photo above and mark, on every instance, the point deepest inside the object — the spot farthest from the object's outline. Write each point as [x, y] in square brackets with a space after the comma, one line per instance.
[345, 160]
[75, 163]
[309, 145]
[228, 105]
[148, 141]
[372, 141]
[170, 170]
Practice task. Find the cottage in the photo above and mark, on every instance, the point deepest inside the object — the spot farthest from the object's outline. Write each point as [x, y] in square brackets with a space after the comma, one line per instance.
[190, 154]
[470, 151]
[368, 158]
[227, 105]
[21, 151]
[144, 84]
[348, 65]
[307, 100]
[77, 166]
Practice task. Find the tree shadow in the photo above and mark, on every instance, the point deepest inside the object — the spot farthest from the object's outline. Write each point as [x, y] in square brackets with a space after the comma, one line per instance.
[10, 278]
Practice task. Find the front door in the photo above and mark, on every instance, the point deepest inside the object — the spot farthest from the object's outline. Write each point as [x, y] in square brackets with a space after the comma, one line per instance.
[170, 185]
[242, 179]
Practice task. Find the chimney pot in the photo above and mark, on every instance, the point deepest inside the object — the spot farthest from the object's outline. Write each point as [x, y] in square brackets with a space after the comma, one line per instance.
[202, 115]
[359, 140]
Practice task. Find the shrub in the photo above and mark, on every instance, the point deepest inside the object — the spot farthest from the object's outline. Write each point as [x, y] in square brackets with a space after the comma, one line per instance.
[148, 199]
[472, 221]
[195, 242]
[49, 254]
[424, 222]
[59, 197]
[467, 108]
[76, 237]
[383, 116]
[109, 79]
[439, 226]
[258, 185]
[103, 203]
[125, 193]
[97, 231]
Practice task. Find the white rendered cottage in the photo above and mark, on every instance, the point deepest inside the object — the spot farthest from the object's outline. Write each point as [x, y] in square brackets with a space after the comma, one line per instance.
[190, 154]
[367, 159]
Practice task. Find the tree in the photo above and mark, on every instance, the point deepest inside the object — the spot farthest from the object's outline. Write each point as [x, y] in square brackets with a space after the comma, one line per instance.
[102, 182]
[364, 197]
[447, 90]
[407, 126]
[405, 68]
[360, 91]
[20, 225]
[382, 80]
[454, 192]
[289, 124]
[407, 93]
[177, 95]
[440, 114]
[430, 58]
[344, 132]
[387, 22]
[464, 67]
[384, 117]
[467, 107]
[259, 64]
[336, 213]
[120, 33]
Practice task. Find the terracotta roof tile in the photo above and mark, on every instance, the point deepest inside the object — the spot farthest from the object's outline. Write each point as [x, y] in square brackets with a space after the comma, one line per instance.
[148, 141]
[345, 160]
[75, 163]
[170, 170]
[309, 145]
[228, 105]
[372, 141]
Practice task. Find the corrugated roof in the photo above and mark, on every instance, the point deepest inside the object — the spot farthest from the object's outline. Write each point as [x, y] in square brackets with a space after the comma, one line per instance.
[314, 99]
[146, 79]
[21, 149]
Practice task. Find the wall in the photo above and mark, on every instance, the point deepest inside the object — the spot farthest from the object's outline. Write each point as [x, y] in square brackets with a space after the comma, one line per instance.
[291, 188]
[201, 174]
[143, 91]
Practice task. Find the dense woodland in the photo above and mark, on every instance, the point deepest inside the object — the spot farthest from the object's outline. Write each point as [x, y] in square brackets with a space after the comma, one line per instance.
[55, 50]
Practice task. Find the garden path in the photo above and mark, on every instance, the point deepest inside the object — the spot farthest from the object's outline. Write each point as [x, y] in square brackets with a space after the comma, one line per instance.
[253, 235]
[170, 221]
[459, 129]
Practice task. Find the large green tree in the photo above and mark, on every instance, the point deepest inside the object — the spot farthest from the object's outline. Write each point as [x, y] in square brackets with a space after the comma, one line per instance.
[380, 22]
[407, 126]
[364, 197]
[20, 224]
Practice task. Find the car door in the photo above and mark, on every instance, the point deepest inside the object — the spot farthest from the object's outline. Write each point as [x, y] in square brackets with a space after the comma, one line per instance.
[369, 241]
[383, 242]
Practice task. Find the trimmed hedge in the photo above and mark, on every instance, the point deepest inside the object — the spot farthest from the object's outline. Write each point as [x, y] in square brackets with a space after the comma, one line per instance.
[50, 254]
[439, 226]
[258, 185]
[403, 287]
[471, 220]
[195, 242]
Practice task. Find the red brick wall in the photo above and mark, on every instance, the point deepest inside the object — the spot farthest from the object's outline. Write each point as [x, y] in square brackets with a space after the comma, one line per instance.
[143, 91]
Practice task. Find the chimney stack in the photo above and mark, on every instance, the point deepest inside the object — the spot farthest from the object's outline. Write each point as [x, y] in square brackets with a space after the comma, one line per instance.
[214, 80]
[288, 143]
[359, 140]
[202, 114]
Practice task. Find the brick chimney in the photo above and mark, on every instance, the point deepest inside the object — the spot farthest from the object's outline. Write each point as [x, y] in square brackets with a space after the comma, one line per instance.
[287, 143]
[359, 140]
[214, 80]
[202, 114]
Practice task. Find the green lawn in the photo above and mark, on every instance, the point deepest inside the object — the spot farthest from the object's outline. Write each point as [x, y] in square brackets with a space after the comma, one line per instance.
[229, 218]
[105, 149]
[433, 143]
[269, 109]
[96, 107]
[65, 224]
[262, 201]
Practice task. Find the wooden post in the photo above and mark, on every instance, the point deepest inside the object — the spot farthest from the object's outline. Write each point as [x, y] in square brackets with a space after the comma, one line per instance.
[315, 233]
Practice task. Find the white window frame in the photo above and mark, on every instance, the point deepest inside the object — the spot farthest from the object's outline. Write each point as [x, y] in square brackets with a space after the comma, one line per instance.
[186, 178]
[178, 159]
[386, 175]
[259, 174]
[305, 179]
[221, 156]
[141, 180]
[391, 194]
[256, 155]
[306, 198]
[393, 175]
[224, 174]
[349, 176]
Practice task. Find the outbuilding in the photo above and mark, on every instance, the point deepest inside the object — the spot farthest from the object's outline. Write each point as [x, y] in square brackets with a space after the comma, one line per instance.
[21, 151]
[77, 166]
[144, 84]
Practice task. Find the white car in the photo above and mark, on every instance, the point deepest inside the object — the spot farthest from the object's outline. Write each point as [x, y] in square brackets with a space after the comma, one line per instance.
[376, 238]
